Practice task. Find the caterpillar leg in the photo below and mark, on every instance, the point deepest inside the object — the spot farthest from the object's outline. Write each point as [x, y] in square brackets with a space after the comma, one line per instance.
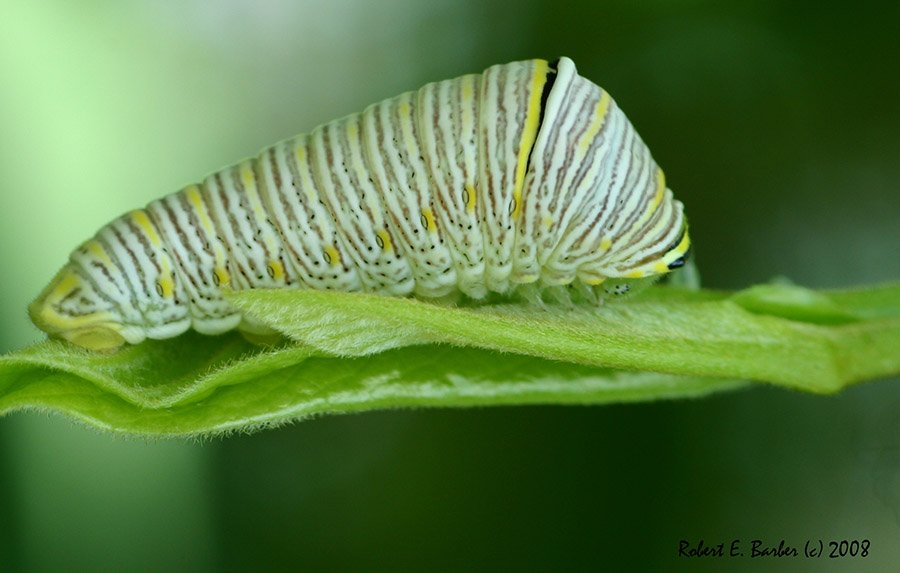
[587, 292]
[258, 333]
[559, 294]
[263, 339]
[531, 294]
[622, 287]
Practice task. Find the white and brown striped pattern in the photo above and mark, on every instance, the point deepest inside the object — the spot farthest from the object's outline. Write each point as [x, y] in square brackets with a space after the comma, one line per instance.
[527, 173]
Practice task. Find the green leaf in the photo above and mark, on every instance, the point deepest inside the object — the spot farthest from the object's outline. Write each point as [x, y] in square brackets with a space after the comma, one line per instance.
[228, 385]
[750, 335]
[353, 352]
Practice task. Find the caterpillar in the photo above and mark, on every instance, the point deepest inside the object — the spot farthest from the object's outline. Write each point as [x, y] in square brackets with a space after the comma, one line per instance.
[526, 174]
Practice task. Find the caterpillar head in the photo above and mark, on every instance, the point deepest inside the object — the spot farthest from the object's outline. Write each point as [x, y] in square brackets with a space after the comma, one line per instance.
[675, 256]
[71, 308]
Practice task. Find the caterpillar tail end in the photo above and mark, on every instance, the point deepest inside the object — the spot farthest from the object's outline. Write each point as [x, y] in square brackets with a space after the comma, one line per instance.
[61, 311]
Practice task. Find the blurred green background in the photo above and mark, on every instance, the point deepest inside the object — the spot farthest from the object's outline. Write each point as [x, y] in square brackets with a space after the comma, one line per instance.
[778, 127]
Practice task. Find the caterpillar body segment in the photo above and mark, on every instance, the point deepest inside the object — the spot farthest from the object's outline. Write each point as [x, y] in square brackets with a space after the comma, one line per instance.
[527, 174]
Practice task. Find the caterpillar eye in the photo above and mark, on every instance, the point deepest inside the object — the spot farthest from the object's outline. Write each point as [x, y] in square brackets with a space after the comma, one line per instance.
[515, 175]
[682, 260]
[677, 263]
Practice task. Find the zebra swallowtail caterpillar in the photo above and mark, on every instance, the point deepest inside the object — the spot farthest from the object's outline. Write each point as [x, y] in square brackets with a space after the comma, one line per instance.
[527, 174]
